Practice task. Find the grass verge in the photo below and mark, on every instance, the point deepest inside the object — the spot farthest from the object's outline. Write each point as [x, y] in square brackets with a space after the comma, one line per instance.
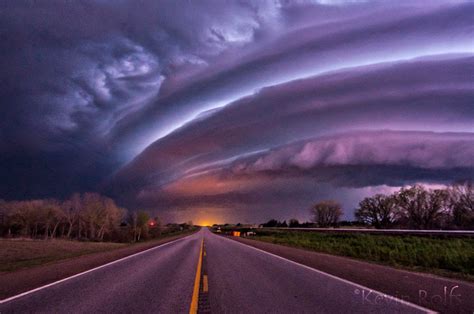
[452, 257]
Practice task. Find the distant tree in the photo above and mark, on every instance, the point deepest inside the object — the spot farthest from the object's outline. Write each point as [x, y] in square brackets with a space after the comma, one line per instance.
[22, 216]
[283, 224]
[5, 225]
[138, 221]
[294, 223]
[184, 226]
[271, 223]
[461, 202]
[90, 215]
[113, 217]
[422, 208]
[307, 224]
[351, 223]
[326, 213]
[378, 211]
[72, 209]
[52, 216]
[99, 216]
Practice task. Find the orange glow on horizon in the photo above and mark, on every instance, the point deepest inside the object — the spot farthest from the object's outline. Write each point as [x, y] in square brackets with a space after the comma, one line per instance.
[205, 223]
[203, 216]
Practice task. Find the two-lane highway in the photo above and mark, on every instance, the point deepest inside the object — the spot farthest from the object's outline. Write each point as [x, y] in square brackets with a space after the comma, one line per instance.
[240, 279]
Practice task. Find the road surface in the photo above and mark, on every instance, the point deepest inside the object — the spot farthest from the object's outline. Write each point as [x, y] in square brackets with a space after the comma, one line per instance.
[234, 278]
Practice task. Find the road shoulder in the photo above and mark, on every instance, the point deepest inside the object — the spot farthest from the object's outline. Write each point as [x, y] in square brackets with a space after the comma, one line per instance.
[433, 292]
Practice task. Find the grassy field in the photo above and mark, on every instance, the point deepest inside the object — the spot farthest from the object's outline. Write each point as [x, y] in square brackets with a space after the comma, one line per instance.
[445, 256]
[16, 254]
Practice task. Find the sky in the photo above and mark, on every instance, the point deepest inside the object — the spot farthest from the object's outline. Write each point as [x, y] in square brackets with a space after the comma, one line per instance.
[234, 111]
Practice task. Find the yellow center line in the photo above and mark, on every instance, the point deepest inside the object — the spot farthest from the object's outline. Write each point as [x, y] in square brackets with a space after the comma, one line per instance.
[205, 286]
[194, 301]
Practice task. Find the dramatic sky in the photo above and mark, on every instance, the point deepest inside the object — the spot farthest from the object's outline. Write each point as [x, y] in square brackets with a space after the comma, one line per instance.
[234, 110]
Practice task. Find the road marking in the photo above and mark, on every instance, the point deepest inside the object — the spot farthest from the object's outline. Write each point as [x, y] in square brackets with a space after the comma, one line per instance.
[409, 304]
[205, 285]
[194, 301]
[88, 271]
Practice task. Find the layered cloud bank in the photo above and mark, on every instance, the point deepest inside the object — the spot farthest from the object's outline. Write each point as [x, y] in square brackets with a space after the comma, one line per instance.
[251, 152]
[235, 110]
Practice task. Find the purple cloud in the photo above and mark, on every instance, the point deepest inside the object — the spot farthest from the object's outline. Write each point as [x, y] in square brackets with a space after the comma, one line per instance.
[258, 107]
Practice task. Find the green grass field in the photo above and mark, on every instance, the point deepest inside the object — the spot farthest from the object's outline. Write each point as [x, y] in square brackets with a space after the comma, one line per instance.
[437, 255]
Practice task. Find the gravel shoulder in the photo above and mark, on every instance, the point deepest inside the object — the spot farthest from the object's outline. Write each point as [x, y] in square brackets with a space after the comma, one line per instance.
[440, 294]
[13, 283]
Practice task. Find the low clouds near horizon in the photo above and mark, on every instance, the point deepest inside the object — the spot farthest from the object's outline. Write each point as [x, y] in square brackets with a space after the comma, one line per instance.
[234, 110]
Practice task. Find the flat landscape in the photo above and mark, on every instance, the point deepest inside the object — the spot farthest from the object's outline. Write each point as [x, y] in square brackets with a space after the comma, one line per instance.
[237, 156]
[210, 271]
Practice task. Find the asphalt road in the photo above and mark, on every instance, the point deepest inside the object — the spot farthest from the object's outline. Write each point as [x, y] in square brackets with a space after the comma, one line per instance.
[240, 279]
[157, 281]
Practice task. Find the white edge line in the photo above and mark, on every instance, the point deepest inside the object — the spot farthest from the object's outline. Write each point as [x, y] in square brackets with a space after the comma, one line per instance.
[88, 271]
[409, 304]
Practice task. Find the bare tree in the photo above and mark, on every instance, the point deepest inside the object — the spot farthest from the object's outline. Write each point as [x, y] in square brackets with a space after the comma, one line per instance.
[378, 211]
[294, 223]
[52, 216]
[99, 216]
[71, 209]
[138, 221]
[111, 217]
[142, 223]
[326, 213]
[461, 199]
[22, 215]
[90, 216]
[5, 225]
[422, 208]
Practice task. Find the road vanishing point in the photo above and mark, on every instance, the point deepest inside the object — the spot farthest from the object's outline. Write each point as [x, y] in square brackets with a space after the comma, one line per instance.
[204, 273]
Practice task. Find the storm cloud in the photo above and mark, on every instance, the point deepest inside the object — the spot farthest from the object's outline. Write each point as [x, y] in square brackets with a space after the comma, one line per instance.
[247, 110]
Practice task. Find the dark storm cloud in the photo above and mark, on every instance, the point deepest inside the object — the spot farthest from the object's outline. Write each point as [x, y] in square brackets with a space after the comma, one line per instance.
[150, 94]
[71, 70]
[295, 175]
[403, 96]
[238, 156]
[377, 35]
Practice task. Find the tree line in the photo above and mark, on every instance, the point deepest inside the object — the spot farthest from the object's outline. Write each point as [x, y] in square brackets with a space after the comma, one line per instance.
[417, 207]
[87, 216]
[413, 207]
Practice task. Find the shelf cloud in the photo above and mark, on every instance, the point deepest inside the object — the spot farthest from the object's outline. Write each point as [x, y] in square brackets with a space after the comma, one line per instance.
[250, 110]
